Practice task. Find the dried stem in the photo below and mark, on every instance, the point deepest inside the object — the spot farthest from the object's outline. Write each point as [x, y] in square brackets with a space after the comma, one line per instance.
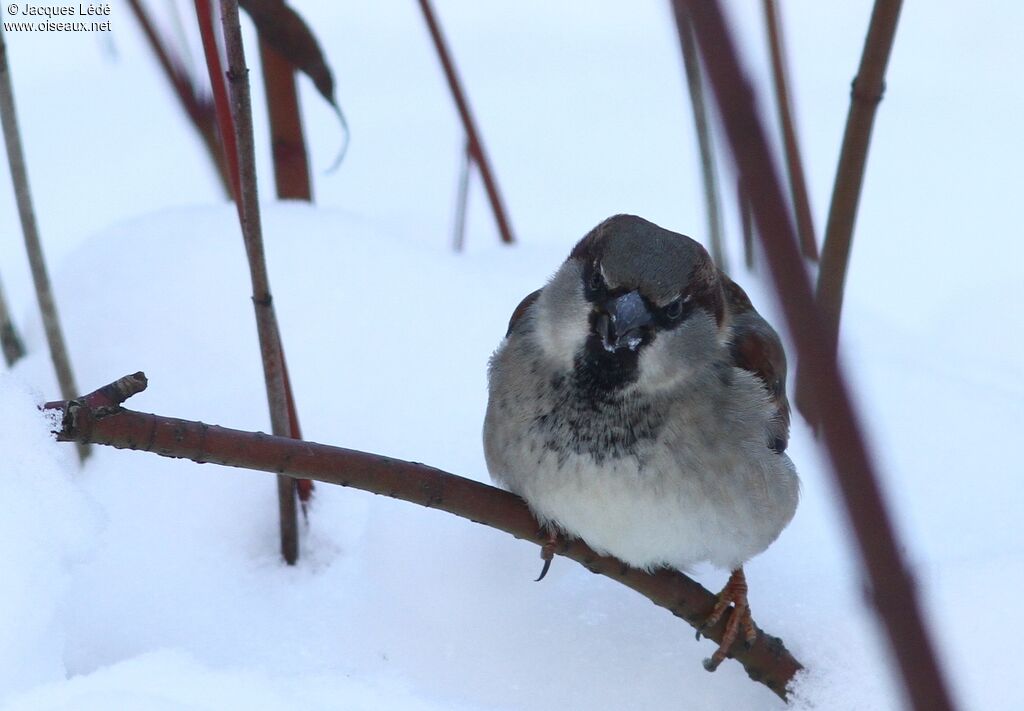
[794, 165]
[767, 661]
[10, 342]
[291, 163]
[695, 84]
[476, 146]
[236, 127]
[865, 95]
[291, 177]
[198, 108]
[462, 201]
[30, 230]
[894, 592]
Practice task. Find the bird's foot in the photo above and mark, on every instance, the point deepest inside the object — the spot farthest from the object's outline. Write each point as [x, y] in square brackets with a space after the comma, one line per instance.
[734, 593]
[547, 553]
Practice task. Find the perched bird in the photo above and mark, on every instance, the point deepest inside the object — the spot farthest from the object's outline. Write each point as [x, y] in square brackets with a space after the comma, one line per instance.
[638, 402]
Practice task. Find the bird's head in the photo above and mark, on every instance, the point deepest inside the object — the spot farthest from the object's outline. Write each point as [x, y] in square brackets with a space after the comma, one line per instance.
[633, 304]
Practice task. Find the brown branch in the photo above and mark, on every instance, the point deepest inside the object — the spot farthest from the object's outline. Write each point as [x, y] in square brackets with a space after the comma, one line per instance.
[198, 108]
[767, 661]
[894, 592]
[794, 164]
[865, 95]
[30, 230]
[695, 84]
[476, 146]
[288, 144]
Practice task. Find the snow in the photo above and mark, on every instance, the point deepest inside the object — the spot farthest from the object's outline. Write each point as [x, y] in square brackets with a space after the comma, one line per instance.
[150, 583]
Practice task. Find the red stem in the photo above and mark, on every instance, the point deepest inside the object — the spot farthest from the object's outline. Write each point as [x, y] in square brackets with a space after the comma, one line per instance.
[476, 146]
[204, 15]
[894, 592]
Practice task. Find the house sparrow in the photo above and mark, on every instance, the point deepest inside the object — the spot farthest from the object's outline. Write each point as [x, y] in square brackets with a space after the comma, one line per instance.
[638, 402]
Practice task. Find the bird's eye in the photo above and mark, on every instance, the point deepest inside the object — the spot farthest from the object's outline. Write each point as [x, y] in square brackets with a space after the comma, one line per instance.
[674, 310]
[596, 280]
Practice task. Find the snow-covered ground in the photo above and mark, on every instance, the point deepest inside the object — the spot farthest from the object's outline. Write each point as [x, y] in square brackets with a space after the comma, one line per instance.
[147, 583]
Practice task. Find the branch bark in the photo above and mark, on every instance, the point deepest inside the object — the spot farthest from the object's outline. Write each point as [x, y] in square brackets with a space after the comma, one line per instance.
[695, 84]
[98, 418]
[894, 592]
[476, 146]
[794, 164]
[30, 230]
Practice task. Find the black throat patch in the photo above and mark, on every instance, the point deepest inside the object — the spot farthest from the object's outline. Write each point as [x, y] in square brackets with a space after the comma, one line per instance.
[587, 417]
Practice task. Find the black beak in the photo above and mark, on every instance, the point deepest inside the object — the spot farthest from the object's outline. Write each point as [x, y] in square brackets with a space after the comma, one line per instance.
[619, 327]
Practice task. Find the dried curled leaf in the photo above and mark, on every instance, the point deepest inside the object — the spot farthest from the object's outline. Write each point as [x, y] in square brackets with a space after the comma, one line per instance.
[288, 34]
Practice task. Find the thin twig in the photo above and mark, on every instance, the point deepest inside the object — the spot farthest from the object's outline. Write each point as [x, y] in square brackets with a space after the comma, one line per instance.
[767, 661]
[10, 342]
[865, 95]
[30, 230]
[252, 233]
[462, 200]
[476, 145]
[695, 84]
[291, 179]
[794, 164]
[236, 127]
[894, 592]
[197, 107]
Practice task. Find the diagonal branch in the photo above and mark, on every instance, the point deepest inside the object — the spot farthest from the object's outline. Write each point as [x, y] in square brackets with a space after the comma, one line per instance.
[853, 468]
[98, 418]
[476, 146]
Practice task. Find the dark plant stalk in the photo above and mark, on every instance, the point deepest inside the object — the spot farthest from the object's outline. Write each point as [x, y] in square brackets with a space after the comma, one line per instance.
[865, 95]
[236, 127]
[476, 146]
[462, 201]
[695, 84]
[291, 176]
[199, 109]
[252, 232]
[98, 418]
[288, 144]
[794, 164]
[10, 342]
[30, 230]
[893, 590]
